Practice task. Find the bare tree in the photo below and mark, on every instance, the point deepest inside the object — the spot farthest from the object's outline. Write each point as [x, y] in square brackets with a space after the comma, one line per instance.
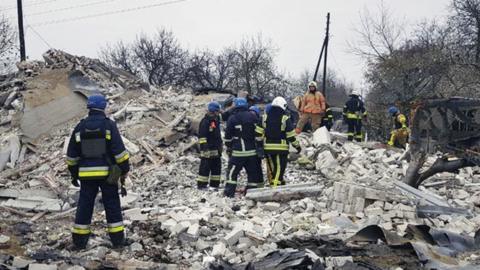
[378, 34]
[255, 70]
[121, 55]
[466, 20]
[212, 71]
[7, 45]
[161, 58]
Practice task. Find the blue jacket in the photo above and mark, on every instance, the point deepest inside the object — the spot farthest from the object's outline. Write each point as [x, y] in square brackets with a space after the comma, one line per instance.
[240, 134]
[85, 168]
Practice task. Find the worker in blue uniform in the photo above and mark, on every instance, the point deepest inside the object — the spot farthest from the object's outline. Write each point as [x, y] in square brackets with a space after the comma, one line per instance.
[97, 158]
[241, 143]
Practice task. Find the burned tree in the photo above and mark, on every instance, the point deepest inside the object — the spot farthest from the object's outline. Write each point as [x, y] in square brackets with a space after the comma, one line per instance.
[449, 126]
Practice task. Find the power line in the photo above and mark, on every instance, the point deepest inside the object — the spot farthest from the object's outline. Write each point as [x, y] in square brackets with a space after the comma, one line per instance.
[31, 4]
[108, 13]
[40, 36]
[69, 8]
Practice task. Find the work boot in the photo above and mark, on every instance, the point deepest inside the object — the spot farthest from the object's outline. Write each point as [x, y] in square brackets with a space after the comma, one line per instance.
[80, 241]
[118, 239]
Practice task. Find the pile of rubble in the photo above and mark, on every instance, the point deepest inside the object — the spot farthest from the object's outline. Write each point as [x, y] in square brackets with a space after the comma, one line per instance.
[344, 205]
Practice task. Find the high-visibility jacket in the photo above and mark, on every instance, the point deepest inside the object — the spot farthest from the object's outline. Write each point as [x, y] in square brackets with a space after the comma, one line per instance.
[209, 136]
[400, 121]
[277, 131]
[313, 103]
[87, 161]
[240, 133]
[354, 108]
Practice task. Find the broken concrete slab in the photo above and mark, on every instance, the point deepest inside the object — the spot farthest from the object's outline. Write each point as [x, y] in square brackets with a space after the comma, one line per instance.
[321, 136]
[35, 204]
[285, 193]
[49, 103]
[38, 266]
[421, 196]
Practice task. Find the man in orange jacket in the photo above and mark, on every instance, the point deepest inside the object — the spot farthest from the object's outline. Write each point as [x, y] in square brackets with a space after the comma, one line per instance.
[312, 107]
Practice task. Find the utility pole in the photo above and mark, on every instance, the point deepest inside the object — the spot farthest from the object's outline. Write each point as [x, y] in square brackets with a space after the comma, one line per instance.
[20, 30]
[324, 86]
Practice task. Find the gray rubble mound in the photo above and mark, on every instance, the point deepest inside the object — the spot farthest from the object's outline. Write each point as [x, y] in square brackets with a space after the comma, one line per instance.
[344, 204]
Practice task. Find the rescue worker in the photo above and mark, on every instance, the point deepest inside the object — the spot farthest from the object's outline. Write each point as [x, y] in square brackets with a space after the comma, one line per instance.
[312, 107]
[278, 132]
[399, 136]
[327, 120]
[97, 157]
[243, 148]
[254, 109]
[211, 144]
[353, 114]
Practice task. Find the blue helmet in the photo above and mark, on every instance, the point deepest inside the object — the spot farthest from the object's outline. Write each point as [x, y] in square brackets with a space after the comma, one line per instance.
[213, 106]
[255, 109]
[241, 102]
[268, 107]
[393, 110]
[97, 102]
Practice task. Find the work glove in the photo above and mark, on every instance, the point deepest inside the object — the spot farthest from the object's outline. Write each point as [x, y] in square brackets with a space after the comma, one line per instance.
[260, 153]
[75, 182]
[229, 152]
[299, 149]
[123, 190]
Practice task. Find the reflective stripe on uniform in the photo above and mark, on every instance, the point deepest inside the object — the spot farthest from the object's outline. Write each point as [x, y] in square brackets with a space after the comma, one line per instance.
[231, 182]
[248, 153]
[81, 229]
[353, 116]
[122, 157]
[252, 184]
[291, 134]
[92, 171]
[276, 146]
[115, 227]
[108, 134]
[284, 123]
[77, 137]
[202, 140]
[72, 161]
[202, 179]
[259, 130]
[215, 177]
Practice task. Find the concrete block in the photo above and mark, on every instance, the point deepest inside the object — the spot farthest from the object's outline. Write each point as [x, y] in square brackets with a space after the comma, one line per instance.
[321, 136]
[232, 237]
[194, 230]
[271, 206]
[219, 249]
[335, 262]
[373, 211]
[19, 262]
[38, 266]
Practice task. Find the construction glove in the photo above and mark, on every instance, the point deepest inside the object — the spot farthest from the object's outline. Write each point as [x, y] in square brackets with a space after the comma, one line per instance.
[75, 182]
[229, 152]
[298, 148]
[123, 190]
[260, 153]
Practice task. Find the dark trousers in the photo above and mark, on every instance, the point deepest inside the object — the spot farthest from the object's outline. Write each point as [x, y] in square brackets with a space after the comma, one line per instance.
[254, 173]
[278, 164]
[210, 169]
[83, 218]
[354, 129]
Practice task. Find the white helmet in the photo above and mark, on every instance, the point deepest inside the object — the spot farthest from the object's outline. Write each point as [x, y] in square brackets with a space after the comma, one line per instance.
[355, 92]
[279, 102]
[313, 83]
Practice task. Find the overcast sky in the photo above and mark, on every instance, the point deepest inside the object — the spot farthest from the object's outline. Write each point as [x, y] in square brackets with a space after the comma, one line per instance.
[296, 27]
